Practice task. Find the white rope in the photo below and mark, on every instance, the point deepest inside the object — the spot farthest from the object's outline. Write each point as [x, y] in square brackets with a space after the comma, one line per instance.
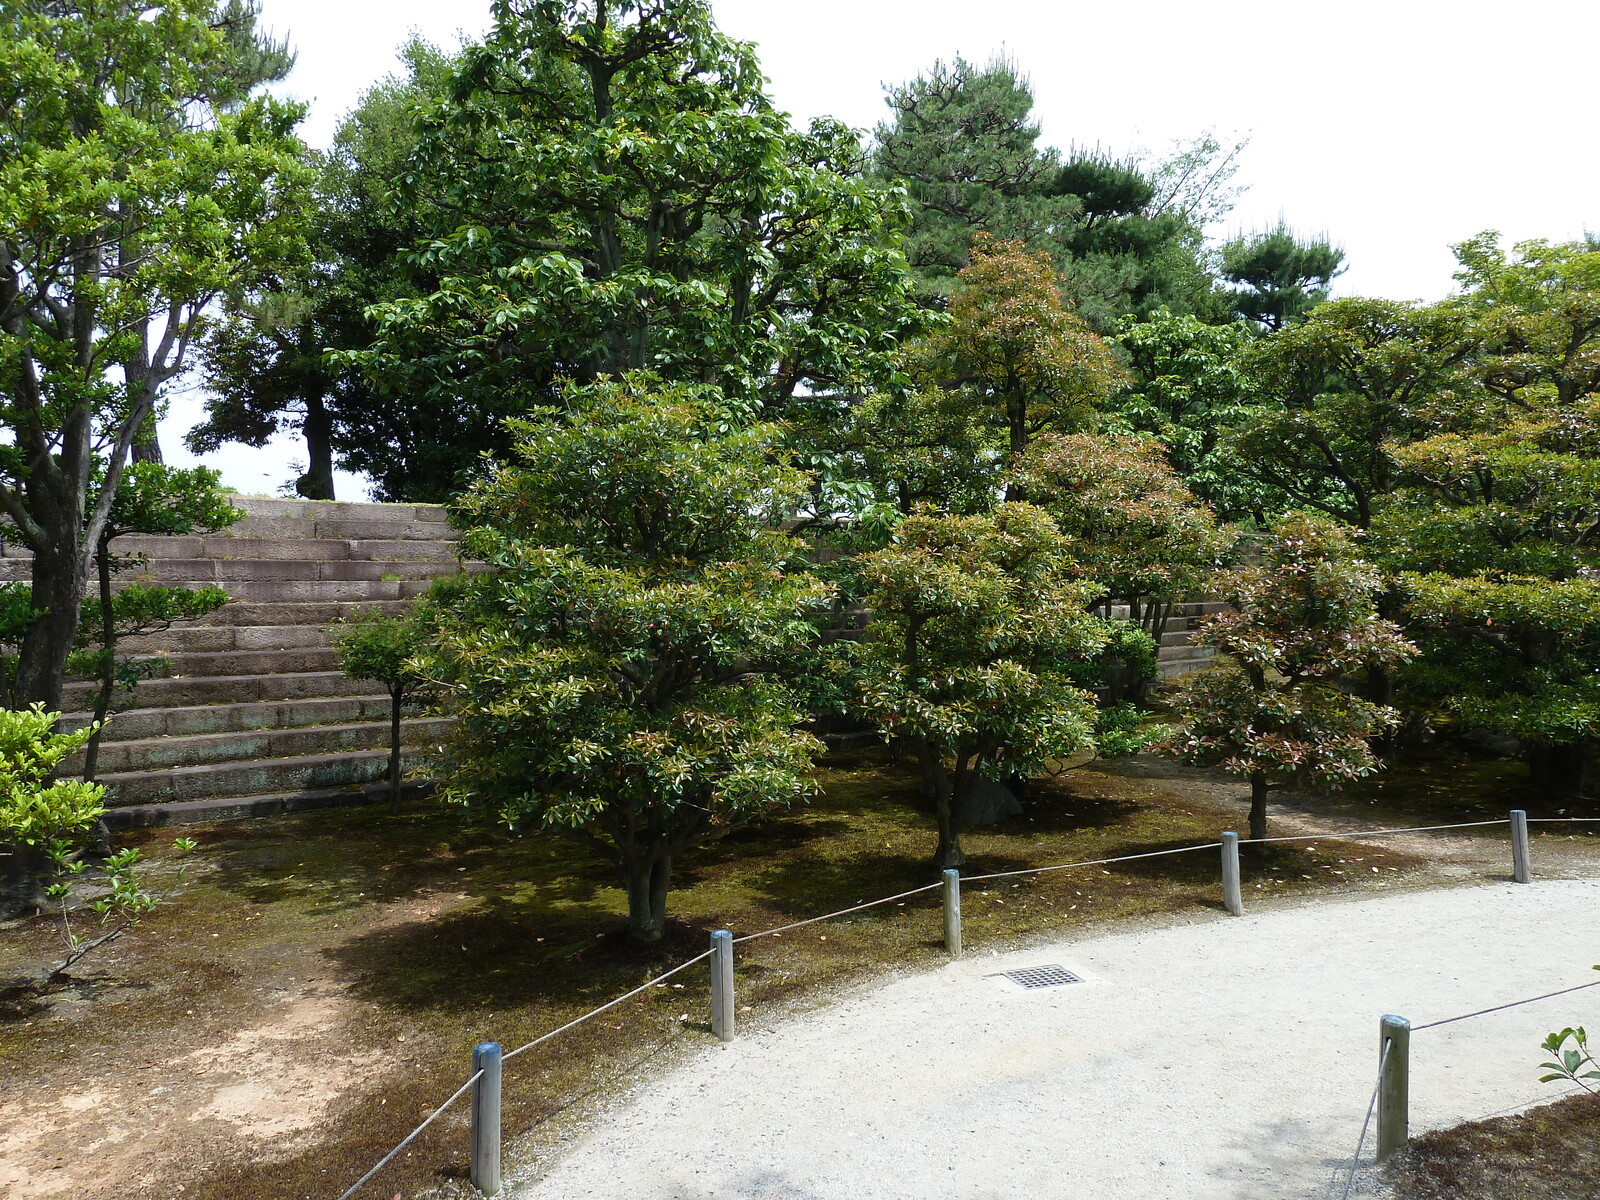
[410, 1137]
[701, 957]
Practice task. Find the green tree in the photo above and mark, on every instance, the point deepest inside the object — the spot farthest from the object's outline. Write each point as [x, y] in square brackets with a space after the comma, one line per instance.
[964, 142]
[1131, 524]
[1493, 527]
[974, 624]
[266, 362]
[138, 189]
[618, 193]
[154, 500]
[612, 674]
[386, 650]
[1189, 388]
[1346, 385]
[1032, 364]
[1278, 277]
[1301, 619]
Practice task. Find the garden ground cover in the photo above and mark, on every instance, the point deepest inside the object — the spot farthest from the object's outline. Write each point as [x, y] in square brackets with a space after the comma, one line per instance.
[316, 987]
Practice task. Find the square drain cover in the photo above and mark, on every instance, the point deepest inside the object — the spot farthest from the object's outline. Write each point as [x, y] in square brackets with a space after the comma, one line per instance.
[1049, 975]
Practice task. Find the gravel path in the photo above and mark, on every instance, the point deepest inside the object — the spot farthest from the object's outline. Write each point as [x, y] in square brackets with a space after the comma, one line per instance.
[1227, 1058]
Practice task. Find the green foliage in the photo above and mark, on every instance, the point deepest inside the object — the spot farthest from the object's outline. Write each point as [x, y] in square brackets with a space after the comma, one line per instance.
[616, 193]
[1190, 390]
[1029, 361]
[614, 674]
[1131, 522]
[1567, 1063]
[1278, 278]
[1121, 730]
[1347, 385]
[964, 142]
[974, 618]
[1302, 618]
[36, 809]
[266, 362]
[384, 649]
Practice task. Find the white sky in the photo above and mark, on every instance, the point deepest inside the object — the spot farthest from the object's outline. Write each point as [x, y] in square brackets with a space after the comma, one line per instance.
[1396, 127]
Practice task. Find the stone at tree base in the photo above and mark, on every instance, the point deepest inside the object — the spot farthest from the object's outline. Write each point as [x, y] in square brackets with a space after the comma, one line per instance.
[990, 802]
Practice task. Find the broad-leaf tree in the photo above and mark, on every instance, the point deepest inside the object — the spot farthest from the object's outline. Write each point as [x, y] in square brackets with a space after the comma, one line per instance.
[1131, 523]
[1012, 341]
[975, 622]
[386, 650]
[137, 188]
[616, 192]
[612, 674]
[1495, 527]
[1301, 619]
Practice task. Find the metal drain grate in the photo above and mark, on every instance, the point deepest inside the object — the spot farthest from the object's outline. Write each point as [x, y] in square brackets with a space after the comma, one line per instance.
[1041, 977]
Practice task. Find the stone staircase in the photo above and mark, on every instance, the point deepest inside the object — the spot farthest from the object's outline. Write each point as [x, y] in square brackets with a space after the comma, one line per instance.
[251, 715]
[1177, 655]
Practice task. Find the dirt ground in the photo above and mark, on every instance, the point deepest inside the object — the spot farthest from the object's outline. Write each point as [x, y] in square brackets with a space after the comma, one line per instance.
[314, 985]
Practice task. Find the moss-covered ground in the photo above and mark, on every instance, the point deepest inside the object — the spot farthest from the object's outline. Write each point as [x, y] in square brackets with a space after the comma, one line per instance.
[315, 984]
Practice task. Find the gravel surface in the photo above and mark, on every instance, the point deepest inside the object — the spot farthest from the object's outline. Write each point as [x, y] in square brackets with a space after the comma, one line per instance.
[1224, 1058]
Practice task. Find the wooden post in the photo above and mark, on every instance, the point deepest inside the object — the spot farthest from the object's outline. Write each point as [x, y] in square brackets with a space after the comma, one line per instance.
[1394, 1085]
[1232, 893]
[952, 912]
[1521, 864]
[485, 1173]
[722, 984]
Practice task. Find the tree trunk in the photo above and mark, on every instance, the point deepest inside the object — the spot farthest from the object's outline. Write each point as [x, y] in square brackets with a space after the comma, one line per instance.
[318, 430]
[396, 698]
[950, 805]
[648, 878]
[59, 582]
[1561, 771]
[1258, 807]
[108, 661]
[22, 874]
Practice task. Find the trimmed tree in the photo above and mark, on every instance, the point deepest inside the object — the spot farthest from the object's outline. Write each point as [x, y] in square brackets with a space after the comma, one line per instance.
[385, 650]
[1302, 620]
[974, 622]
[612, 674]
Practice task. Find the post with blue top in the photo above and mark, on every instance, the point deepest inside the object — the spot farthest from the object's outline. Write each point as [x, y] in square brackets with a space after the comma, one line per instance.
[722, 984]
[1521, 864]
[1232, 892]
[1394, 1085]
[485, 1174]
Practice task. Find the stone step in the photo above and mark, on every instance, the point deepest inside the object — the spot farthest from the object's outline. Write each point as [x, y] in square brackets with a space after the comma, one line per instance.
[223, 689]
[161, 753]
[224, 571]
[230, 546]
[321, 613]
[250, 662]
[194, 639]
[223, 808]
[343, 529]
[299, 591]
[306, 772]
[274, 506]
[134, 723]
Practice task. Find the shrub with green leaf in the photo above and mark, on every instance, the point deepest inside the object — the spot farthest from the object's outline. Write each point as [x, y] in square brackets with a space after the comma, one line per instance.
[384, 650]
[37, 811]
[1302, 619]
[974, 623]
[615, 673]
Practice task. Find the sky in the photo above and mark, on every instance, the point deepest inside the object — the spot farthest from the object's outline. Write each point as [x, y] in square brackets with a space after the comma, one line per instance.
[1395, 128]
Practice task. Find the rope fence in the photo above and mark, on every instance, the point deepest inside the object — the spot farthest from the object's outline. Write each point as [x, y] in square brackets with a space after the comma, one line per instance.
[486, 1078]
